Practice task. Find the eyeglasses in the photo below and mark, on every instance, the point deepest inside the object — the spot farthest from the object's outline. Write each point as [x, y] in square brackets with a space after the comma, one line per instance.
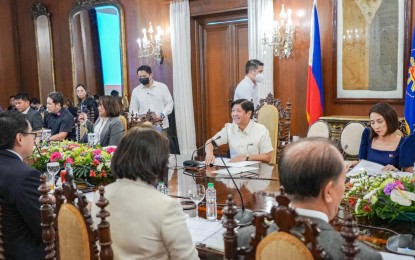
[34, 135]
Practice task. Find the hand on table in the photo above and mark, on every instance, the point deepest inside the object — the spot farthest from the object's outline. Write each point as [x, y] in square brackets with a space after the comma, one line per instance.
[239, 158]
[209, 159]
[350, 164]
[389, 168]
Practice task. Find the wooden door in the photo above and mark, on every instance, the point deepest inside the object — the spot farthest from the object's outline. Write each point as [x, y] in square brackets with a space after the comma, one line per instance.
[221, 51]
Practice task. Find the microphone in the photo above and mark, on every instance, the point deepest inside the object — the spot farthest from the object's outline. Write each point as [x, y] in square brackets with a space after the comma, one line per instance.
[193, 163]
[244, 216]
[400, 241]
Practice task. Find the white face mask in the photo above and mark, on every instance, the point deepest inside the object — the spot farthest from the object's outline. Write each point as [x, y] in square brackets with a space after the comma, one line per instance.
[259, 77]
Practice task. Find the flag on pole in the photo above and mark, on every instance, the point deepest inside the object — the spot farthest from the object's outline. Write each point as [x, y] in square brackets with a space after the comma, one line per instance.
[410, 91]
[315, 95]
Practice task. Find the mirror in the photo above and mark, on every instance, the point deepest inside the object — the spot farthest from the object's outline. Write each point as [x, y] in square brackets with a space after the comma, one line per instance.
[98, 47]
[43, 35]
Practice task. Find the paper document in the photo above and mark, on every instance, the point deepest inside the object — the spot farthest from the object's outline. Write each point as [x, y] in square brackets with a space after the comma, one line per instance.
[234, 171]
[218, 162]
[374, 169]
[201, 229]
[389, 256]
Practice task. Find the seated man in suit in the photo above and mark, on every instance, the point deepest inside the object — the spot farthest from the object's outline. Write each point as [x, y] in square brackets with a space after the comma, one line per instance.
[248, 140]
[22, 103]
[19, 195]
[58, 119]
[313, 174]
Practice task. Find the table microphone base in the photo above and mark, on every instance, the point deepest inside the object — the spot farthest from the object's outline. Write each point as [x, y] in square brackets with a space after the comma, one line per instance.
[244, 217]
[401, 244]
[191, 163]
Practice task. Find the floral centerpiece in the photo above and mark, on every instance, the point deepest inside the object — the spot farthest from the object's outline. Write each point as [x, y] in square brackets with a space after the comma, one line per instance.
[91, 164]
[383, 196]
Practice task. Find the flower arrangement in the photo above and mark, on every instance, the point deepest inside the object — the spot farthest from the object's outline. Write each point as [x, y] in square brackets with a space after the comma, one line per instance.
[382, 195]
[91, 164]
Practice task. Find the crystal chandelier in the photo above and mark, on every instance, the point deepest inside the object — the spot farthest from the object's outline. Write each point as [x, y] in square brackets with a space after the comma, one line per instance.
[281, 37]
[151, 46]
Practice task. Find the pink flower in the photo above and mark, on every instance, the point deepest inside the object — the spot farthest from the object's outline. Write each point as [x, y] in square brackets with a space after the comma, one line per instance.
[96, 152]
[399, 184]
[111, 150]
[69, 160]
[55, 156]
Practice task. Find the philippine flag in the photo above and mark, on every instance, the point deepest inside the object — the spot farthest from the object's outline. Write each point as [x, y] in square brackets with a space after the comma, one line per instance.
[315, 95]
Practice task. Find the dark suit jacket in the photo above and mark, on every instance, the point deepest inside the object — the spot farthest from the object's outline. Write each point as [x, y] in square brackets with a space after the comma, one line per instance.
[20, 206]
[329, 238]
[35, 119]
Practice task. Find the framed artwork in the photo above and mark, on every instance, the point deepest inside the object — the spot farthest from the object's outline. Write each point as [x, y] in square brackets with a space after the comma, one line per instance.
[371, 45]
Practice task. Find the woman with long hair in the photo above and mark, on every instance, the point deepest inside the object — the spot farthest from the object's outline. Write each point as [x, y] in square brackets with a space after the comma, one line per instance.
[86, 101]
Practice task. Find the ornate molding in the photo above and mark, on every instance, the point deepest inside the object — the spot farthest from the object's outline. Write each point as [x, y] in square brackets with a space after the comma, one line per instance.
[39, 9]
[86, 4]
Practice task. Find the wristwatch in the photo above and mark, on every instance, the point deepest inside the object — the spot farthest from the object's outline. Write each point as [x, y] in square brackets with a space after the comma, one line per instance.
[247, 158]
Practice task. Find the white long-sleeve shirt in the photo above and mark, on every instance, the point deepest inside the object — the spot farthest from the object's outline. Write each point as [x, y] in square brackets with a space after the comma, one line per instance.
[156, 98]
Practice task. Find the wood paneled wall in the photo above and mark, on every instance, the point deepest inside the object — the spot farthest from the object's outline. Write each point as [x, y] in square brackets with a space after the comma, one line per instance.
[18, 66]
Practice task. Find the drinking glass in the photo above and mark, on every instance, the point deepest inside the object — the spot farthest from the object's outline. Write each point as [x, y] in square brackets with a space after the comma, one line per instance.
[46, 134]
[92, 139]
[196, 194]
[52, 168]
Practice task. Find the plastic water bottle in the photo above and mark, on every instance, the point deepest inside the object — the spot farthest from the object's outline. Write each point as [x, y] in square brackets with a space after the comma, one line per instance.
[211, 206]
[162, 188]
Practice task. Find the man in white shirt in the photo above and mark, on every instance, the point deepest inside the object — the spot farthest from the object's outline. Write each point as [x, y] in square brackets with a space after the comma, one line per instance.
[247, 88]
[248, 140]
[151, 96]
[313, 174]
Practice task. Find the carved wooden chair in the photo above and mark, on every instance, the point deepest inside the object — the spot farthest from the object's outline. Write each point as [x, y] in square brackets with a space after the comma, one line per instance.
[67, 227]
[296, 237]
[277, 119]
[138, 120]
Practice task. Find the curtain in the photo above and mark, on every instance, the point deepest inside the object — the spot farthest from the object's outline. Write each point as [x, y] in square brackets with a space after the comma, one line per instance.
[182, 81]
[260, 20]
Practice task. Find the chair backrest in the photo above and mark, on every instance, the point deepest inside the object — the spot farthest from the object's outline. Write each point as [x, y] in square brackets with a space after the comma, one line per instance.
[68, 231]
[319, 128]
[124, 123]
[268, 116]
[350, 138]
[284, 121]
[138, 120]
[291, 227]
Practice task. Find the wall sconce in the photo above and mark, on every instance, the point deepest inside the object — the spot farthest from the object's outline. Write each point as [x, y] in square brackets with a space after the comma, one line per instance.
[151, 46]
[281, 37]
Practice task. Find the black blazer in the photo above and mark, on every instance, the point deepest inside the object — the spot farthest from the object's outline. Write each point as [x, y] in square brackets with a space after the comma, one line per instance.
[35, 119]
[20, 206]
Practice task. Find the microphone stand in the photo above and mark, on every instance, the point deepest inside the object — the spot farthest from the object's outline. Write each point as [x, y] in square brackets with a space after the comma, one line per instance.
[244, 216]
[193, 163]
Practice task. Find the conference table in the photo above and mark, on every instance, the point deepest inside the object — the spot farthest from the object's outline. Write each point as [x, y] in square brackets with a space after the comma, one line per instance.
[258, 188]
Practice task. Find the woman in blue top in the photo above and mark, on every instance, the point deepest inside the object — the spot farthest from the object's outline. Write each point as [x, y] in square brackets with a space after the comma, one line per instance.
[381, 143]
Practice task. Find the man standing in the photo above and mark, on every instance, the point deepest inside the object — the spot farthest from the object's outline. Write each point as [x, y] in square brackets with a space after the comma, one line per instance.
[247, 88]
[151, 96]
[58, 119]
[22, 103]
[313, 174]
[19, 195]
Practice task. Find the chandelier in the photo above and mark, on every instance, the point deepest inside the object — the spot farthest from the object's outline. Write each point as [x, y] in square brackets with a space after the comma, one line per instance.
[151, 46]
[281, 37]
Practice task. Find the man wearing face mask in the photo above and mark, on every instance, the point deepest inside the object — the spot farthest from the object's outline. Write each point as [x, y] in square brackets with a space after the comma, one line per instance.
[151, 95]
[247, 88]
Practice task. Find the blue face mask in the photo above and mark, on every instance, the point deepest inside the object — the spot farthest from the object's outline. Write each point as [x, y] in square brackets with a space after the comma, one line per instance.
[144, 81]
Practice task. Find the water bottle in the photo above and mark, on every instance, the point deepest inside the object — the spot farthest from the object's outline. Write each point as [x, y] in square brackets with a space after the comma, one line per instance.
[69, 172]
[211, 207]
[162, 188]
